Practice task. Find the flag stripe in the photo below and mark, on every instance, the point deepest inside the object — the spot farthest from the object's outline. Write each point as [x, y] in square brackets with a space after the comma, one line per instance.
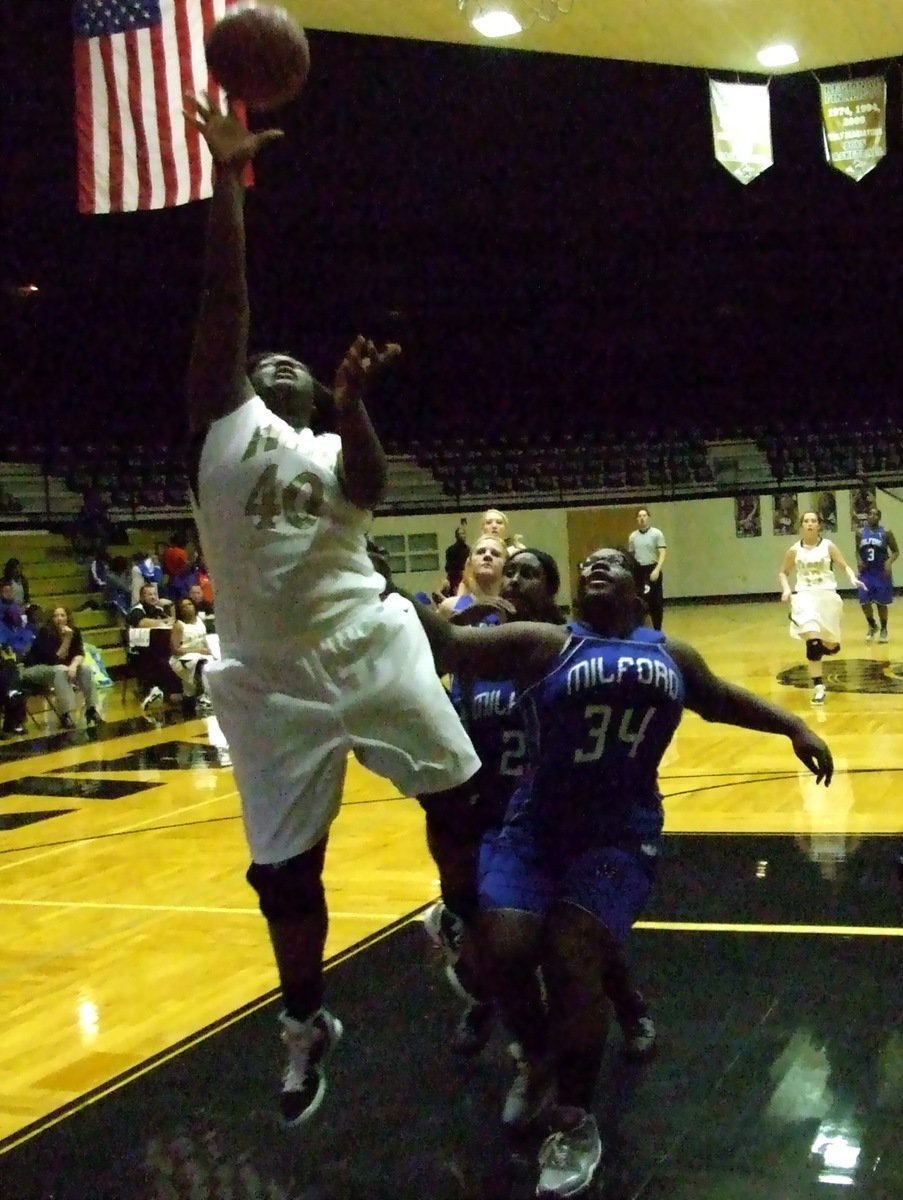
[133, 61]
[136, 166]
[84, 124]
[106, 49]
[100, 179]
[153, 117]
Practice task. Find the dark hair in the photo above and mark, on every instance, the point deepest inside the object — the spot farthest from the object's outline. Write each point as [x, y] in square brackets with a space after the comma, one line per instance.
[11, 564]
[548, 564]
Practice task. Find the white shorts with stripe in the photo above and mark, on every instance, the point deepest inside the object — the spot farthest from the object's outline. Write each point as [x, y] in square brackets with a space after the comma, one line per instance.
[371, 689]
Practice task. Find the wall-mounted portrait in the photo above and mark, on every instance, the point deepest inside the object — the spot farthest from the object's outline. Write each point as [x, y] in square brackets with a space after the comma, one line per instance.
[747, 516]
[785, 517]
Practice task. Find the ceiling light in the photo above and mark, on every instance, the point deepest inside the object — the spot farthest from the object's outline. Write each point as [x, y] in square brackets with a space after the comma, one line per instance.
[495, 22]
[780, 55]
[502, 18]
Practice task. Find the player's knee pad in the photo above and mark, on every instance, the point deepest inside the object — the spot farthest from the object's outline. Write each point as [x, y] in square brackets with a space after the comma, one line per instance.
[815, 649]
[289, 889]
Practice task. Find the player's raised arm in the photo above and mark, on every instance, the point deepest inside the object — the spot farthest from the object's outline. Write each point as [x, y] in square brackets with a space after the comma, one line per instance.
[362, 465]
[217, 382]
[717, 700]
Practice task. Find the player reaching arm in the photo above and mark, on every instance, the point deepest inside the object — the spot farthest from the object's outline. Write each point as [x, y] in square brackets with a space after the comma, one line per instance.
[524, 652]
[217, 379]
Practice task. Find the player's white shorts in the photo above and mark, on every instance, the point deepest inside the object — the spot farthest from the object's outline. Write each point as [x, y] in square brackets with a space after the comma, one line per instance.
[816, 611]
[371, 688]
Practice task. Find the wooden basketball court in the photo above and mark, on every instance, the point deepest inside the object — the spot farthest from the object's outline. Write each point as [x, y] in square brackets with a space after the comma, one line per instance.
[128, 927]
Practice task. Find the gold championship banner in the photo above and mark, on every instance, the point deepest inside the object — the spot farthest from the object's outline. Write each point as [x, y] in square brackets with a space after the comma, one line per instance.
[741, 127]
[854, 126]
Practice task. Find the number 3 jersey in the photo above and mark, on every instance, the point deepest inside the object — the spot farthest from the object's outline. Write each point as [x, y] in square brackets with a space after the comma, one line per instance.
[285, 547]
[597, 725]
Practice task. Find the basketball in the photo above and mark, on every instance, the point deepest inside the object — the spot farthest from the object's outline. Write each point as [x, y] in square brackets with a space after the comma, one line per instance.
[258, 55]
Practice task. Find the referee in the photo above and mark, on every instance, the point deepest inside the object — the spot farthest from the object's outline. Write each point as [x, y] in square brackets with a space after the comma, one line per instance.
[647, 545]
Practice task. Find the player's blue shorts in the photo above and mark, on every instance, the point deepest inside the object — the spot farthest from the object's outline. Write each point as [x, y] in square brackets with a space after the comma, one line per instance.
[880, 588]
[610, 882]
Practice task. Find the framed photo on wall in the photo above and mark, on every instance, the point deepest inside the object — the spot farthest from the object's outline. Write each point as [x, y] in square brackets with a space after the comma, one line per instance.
[825, 504]
[747, 516]
[861, 500]
[785, 518]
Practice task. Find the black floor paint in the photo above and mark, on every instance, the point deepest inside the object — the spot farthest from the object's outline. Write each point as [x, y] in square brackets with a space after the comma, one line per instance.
[779, 1077]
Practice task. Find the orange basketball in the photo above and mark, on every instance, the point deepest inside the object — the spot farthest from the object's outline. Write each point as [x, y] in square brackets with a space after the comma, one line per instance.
[258, 55]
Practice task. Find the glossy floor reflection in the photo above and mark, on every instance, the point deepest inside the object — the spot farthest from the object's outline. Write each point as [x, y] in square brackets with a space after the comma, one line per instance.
[779, 1074]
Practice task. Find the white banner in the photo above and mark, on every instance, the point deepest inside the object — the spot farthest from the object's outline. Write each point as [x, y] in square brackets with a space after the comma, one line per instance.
[741, 127]
[853, 115]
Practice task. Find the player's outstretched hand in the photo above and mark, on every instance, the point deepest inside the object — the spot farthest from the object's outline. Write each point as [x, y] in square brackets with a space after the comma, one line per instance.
[231, 144]
[362, 364]
[814, 753]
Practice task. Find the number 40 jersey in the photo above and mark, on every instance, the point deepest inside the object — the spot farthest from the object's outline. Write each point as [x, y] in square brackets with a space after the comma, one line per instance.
[597, 725]
[286, 549]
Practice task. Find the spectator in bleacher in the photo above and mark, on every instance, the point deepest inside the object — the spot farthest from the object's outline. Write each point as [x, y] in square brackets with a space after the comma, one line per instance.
[456, 556]
[109, 586]
[12, 698]
[145, 569]
[203, 607]
[199, 600]
[16, 631]
[148, 612]
[174, 560]
[14, 576]
[152, 668]
[190, 653]
[56, 662]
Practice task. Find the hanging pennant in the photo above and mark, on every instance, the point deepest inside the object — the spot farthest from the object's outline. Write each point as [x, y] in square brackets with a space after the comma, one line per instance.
[741, 127]
[853, 114]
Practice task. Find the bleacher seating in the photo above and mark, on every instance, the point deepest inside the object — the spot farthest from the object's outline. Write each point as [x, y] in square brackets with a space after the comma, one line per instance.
[136, 480]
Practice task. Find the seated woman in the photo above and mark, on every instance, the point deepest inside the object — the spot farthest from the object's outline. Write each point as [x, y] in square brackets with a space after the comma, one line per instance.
[56, 662]
[191, 651]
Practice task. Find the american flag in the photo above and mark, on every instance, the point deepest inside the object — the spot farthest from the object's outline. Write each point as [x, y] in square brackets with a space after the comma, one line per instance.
[134, 60]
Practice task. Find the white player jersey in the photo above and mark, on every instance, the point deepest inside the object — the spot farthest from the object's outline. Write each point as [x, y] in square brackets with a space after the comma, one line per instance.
[285, 548]
[814, 568]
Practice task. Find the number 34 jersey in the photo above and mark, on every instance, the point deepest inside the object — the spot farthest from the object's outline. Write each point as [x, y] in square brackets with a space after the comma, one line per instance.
[597, 726]
[285, 547]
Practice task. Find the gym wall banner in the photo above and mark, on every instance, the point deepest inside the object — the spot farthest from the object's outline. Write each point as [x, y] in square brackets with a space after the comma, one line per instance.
[853, 113]
[741, 127]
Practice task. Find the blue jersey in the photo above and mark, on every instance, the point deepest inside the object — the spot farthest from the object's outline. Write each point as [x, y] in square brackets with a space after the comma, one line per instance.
[488, 711]
[872, 549]
[597, 726]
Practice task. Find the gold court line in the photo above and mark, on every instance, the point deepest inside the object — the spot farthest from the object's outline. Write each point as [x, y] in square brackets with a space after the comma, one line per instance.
[724, 927]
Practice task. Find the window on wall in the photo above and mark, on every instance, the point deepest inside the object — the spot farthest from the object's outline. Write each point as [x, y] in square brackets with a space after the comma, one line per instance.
[411, 552]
